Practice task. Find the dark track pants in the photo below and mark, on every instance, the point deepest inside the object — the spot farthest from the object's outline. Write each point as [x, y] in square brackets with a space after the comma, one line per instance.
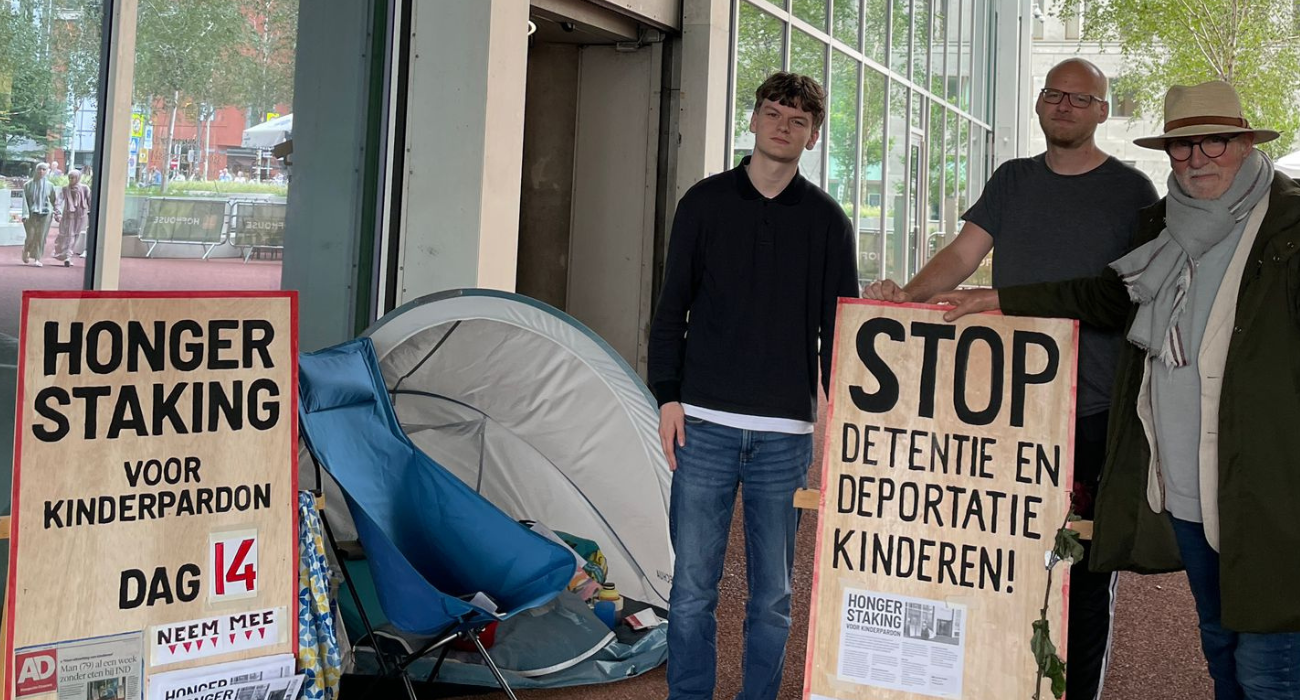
[1092, 595]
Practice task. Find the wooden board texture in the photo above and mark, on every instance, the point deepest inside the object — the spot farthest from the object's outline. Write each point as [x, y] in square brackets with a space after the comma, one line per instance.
[901, 545]
[97, 549]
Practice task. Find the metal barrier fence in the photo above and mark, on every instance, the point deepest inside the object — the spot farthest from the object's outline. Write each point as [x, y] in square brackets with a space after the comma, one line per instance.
[185, 220]
[257, 225]
[251, 225]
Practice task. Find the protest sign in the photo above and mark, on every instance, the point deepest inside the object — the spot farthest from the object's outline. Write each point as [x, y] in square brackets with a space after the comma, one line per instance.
[155, 483]
[946, 474]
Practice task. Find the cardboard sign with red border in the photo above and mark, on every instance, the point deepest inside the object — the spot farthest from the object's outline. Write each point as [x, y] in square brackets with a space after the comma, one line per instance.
[156, 433]
[946, 474]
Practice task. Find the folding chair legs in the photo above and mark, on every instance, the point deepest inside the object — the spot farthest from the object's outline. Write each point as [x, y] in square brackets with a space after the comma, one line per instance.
[356, 596]
[400, 668]
[438, 666]
[410, 689]
[492, 666]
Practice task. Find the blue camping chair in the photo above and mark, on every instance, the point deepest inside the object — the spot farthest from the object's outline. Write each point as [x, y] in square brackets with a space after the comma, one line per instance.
[431, 541]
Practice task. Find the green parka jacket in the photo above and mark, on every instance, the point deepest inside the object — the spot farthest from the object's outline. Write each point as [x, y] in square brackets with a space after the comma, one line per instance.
[1259, 426]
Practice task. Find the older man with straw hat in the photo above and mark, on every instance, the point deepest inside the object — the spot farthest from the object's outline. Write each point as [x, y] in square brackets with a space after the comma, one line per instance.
[1203, 471]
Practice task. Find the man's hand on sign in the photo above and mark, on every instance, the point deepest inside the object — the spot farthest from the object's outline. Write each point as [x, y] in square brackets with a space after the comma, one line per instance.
[967, 301]
[886, 290]
[672, 431]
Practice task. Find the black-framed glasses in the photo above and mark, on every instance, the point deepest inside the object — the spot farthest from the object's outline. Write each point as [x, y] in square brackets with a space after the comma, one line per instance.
[1079, 100]
[1212, 146]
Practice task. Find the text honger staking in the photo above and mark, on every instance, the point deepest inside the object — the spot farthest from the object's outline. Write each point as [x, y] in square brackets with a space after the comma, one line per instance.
[144, 409]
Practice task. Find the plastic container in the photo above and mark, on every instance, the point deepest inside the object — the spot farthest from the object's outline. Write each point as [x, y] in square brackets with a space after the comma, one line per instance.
[609, 593]
[605, 611]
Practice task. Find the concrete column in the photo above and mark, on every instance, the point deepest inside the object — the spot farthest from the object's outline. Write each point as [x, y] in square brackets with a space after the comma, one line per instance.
[323, 222]
[705, 91]
[111, 187]
[465, 130]
[1013, 86]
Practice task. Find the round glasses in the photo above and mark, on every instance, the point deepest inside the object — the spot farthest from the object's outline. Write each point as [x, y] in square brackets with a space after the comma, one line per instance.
[1079, 100]
[1212, 146]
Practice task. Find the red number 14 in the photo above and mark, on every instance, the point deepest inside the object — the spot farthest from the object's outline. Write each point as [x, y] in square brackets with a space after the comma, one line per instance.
[233, 573]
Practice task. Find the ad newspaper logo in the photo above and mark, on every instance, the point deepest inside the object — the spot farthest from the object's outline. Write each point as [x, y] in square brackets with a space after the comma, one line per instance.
[36, 672]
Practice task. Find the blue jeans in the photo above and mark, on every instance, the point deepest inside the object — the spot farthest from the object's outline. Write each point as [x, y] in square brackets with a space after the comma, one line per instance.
[710, 466]
[1244, 666]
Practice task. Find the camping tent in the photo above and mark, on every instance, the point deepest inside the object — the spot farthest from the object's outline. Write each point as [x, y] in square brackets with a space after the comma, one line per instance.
[269, 133]
[1289, 164]
[543, 418]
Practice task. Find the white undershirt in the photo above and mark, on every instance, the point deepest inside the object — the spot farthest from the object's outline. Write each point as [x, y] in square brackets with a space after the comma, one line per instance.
[743, 421]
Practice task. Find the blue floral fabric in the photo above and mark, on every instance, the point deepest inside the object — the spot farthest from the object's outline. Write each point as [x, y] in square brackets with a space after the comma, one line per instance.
[318, 646]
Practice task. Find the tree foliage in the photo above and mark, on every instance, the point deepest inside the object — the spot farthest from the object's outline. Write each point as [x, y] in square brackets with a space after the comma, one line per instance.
[1251, 44]
[30, 107]
[189, 53]
[182, 49]
[80, 40]
[263, 76]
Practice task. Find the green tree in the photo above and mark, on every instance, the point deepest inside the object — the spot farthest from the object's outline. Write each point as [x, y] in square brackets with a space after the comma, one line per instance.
[30, 109]
[1250, 44]
[263, 78]
[79, 41]
[759, 53]
[182, 51]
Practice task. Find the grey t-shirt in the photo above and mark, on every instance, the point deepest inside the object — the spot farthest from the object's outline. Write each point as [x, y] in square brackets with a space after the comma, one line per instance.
[1048, 227]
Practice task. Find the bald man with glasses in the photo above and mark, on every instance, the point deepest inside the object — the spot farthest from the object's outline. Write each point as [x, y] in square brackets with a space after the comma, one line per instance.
[1062, 214]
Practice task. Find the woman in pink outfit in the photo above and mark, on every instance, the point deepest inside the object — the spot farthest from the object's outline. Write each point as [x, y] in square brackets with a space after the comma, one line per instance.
[76, 212]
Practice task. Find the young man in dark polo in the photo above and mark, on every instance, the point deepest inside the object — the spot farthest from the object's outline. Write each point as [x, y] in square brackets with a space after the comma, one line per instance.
[743, 330]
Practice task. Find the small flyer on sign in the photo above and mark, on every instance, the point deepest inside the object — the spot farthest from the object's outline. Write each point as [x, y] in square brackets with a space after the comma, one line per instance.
[901, 643]
[221, 680]
[223, 634]
[274, 689]
[86, 669]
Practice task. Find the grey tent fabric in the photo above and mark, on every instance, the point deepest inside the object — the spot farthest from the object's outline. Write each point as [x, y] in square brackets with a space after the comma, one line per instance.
[539, 415]
[568, 433]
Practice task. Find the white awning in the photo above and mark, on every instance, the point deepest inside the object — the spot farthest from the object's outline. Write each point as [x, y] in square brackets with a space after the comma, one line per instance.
[269, 134]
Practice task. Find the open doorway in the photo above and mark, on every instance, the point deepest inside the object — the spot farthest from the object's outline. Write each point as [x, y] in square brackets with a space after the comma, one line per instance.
[591, 141]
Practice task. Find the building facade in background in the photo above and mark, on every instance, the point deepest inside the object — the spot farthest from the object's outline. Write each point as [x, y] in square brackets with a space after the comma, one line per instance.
[1055, 39]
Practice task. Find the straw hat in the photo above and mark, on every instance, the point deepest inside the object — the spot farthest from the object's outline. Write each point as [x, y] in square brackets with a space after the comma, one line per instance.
[1208, 108]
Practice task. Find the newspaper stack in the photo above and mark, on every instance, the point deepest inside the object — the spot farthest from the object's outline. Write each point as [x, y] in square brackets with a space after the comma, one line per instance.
[264, 678]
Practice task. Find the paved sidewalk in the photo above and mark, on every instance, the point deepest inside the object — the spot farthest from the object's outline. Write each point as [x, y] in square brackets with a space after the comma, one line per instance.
[136, 273]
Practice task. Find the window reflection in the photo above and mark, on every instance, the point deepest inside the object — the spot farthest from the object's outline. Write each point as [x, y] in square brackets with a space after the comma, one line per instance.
[49, 82]
[211, 145]
[759, 53]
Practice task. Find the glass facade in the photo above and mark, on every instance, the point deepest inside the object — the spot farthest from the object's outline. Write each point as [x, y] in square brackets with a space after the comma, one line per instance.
[204, 198]
[905, 146]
